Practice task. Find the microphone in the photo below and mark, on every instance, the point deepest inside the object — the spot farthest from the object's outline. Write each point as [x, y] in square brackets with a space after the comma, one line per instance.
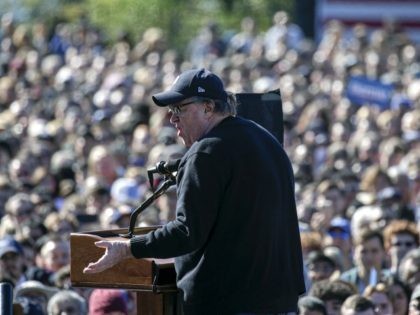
[165, 168]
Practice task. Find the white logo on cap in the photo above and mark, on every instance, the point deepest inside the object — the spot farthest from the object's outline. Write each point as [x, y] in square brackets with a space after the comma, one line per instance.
[201, 90]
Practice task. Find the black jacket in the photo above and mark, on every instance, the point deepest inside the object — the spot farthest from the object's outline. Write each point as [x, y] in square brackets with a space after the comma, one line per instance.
[235, 237]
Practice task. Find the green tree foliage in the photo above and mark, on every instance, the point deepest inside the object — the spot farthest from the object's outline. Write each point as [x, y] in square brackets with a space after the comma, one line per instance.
[134, 17]
[180, 20]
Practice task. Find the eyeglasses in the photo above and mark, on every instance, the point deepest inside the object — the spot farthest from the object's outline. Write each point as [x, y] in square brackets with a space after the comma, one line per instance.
[176, 109]
[406, 244]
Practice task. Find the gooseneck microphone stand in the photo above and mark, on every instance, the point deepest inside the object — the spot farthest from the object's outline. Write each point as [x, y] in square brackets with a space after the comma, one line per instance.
[169, 180]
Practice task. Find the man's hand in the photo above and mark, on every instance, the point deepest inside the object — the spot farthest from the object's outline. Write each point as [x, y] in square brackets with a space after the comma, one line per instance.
[115, 251]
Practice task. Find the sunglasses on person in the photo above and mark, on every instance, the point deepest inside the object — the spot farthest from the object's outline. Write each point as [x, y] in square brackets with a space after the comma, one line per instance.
[406, 244]
[176, 109]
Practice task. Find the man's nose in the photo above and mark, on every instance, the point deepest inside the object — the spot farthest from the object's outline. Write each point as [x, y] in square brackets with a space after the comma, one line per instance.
[174, 118]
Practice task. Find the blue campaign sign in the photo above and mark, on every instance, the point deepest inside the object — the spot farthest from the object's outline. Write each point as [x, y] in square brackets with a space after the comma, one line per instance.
[363, 91]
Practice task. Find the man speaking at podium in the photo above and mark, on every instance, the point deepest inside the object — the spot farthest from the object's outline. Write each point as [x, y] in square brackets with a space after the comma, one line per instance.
[235, 238]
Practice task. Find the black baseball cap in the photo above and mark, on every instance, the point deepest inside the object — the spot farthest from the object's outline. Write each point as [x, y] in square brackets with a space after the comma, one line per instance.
[196, 82]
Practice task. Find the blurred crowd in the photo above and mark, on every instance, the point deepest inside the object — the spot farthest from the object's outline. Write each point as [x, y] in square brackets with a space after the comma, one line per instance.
[78, 132]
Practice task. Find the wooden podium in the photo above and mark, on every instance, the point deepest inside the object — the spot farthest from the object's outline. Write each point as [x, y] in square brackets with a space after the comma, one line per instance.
[152, 279]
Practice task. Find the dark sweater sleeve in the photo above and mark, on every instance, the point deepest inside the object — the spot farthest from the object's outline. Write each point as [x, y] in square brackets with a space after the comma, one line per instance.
[201, 182]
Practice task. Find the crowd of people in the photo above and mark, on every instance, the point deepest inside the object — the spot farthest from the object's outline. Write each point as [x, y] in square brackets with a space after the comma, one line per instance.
[78, 132]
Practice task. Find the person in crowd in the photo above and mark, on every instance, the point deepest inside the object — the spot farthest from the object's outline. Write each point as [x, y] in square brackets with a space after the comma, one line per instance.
[243, 41]
[97, 196]
[141, 144]
[323, 214]
[333, 293]
[208, 45]
[374, 179]
[61, 223]
[102, 164]
[67, 302]
[409, 269]
[357, 304]
[19, 210]
[310, 305]
[320, 266]
[380, 297]
[369, 257]
[367, 217]
[282, 32]
[108, 301]
[393, 203]
[54, 253]
[331, 191]
[399, 294]
[21, 170]
[210, 180]
[400, 236]
[12, 262]
[34, 296]
[339, 235]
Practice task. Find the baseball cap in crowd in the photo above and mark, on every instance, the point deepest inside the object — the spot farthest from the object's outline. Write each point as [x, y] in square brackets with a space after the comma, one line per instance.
[339, 227]
[196, 82]
[105, 301]
[10, 245]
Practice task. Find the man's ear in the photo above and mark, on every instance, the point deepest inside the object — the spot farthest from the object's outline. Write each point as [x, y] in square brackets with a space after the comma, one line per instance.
[208, 107]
